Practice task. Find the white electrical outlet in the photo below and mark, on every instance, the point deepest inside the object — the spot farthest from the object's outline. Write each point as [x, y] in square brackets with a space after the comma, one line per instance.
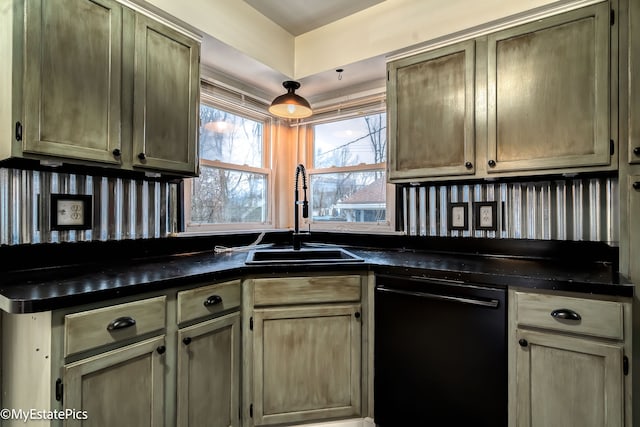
[457, 216]
[486, 216]
[70, 212]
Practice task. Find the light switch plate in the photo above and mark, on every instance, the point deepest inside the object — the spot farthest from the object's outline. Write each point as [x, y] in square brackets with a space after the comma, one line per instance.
[485, 215]
[458, 216]
[71, 211]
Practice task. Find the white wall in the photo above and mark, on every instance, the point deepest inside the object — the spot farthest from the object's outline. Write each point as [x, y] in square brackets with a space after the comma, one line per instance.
[385, 28]
[238, 25]
[394, 25]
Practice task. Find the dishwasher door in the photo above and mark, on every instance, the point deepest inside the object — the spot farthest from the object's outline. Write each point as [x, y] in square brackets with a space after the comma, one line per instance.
[440, 353]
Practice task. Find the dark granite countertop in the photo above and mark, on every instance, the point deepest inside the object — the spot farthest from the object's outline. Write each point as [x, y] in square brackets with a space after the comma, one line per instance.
[50, 288]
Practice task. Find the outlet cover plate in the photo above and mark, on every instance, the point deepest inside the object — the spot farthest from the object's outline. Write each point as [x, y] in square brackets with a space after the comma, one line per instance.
[71, 211]
[485, 215]
[458, 216]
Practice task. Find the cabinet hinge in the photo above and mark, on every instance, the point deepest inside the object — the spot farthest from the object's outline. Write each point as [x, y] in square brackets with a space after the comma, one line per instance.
[625, 365]
[251, 323]
[613, 16]
[59, 389]
[612, 147]
[251, 410]
[388, 75]
[18, 131]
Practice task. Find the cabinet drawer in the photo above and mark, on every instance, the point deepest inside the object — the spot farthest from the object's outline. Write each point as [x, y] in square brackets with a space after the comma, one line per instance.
[94, 328]
[597, 318]
[208, 300]
[304, 290]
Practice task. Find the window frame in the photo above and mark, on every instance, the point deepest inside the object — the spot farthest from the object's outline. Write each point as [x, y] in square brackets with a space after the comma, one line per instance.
[251, 113]
[331, 116]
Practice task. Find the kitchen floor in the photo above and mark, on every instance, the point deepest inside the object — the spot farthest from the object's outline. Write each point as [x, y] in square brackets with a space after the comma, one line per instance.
[360, 422]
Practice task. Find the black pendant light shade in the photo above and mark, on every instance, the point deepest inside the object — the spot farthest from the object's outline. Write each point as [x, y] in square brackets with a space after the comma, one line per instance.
[290, 105]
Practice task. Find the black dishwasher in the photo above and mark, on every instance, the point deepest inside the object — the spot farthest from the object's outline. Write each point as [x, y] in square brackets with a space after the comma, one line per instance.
[440, 353]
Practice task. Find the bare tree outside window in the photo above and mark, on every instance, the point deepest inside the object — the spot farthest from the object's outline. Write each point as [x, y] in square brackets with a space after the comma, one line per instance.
[348, 191]
[225, 191]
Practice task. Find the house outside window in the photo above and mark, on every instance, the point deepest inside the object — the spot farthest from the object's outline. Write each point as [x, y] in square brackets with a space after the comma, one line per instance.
[348, 189]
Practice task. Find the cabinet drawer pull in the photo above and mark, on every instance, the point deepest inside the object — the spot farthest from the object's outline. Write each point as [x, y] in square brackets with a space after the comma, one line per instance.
[116, 152]
[636, 185]
[18, 131]
[121, 323]
[186, 340]
[636, 151]
[142, 156]
[523, 342]
[565, 314]
[213, 300]
[161, 349]
[492, 163]
[468, 165]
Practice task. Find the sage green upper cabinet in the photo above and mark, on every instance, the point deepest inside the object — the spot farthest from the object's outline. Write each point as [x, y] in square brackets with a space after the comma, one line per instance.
[96, 83]
[165, 98]
[549, 93]
[531, 99]
[634, 82]
[72, 79]
[431, 113]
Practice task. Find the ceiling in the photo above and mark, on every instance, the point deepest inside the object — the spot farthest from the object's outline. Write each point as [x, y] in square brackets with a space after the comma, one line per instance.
[297, 17]
[301, 16]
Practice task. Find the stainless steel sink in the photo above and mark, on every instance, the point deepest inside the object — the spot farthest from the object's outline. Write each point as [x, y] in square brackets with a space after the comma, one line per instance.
[302, 256]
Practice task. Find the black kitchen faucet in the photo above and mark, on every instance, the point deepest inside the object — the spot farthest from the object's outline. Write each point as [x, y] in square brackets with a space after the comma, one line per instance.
[305, 206]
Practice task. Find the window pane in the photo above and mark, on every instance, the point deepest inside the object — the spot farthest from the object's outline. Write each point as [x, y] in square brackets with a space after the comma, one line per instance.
[226, 196]
[349, 197]
[351, 142]
[230, 138]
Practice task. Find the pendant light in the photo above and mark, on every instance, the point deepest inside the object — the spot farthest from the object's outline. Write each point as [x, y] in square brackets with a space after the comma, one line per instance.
[290, 105]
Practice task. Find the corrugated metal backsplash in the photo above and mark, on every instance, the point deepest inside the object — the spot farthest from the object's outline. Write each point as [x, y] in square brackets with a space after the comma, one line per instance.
[122, 208]
[569, 209]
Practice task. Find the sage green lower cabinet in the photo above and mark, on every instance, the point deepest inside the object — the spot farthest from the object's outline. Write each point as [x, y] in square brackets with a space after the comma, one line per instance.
[129, 361]
[569, 361]
[208, 385]
[569, 381]
[123, 387]
[634, 226]
[305, 355]
[306, 363]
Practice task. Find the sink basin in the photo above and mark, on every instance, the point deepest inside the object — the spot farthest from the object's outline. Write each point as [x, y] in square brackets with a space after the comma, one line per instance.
[302, 256]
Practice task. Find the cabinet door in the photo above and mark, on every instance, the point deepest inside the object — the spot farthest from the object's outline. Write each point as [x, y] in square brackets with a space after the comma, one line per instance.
[548, 93]
[633, 217]
[73, 79]
[306, 363]
[123, 387]
[209, 373]
[563, 381]
[166, 96]
[634, 82]
[431, 113]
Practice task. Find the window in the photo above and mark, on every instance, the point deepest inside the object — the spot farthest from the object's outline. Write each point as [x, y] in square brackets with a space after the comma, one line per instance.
[348, 178]
[233, 185]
